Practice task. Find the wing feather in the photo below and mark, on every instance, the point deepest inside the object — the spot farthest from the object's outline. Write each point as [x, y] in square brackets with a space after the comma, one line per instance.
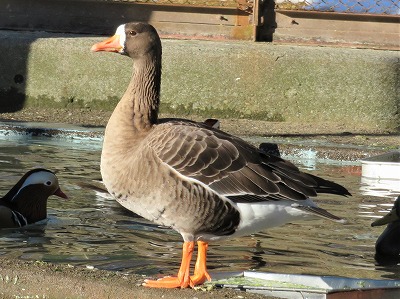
[264, 171]
[232, 167]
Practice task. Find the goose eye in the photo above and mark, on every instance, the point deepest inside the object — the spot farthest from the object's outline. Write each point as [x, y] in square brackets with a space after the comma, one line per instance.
[132, 33]
[48, 183]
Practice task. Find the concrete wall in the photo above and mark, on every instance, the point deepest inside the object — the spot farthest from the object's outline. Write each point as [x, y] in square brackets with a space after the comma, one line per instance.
[210, 78]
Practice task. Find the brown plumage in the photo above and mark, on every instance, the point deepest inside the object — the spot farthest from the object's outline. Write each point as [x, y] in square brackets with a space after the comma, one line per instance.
[204, 183]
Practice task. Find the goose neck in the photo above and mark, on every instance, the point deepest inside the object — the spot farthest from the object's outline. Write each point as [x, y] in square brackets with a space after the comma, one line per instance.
[143, 93]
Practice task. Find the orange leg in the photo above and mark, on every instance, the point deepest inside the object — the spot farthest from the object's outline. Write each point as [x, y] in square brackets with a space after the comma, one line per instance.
[200, 269]
[183, 278]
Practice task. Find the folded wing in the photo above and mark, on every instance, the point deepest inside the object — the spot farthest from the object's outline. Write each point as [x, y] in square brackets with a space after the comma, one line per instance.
[232, 167]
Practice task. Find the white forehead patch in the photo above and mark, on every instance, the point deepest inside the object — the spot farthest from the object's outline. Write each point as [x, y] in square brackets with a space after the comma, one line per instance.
[122, 37]
[40, 177]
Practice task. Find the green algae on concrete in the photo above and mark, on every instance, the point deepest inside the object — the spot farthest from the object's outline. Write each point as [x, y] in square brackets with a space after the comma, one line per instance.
[220, 79]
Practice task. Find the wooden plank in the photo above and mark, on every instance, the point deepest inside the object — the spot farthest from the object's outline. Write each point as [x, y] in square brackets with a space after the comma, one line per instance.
[323, 15]
[337, 31]
[333, 25]
[193, 3]
[103, 17]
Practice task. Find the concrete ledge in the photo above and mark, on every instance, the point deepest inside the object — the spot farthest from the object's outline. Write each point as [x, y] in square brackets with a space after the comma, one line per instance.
[209, 78]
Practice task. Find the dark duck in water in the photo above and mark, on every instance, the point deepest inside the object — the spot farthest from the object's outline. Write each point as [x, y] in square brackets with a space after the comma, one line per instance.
[26, 202]
[387, 246]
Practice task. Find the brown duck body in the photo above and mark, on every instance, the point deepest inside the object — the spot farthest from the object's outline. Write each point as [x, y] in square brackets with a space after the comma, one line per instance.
[201, 181]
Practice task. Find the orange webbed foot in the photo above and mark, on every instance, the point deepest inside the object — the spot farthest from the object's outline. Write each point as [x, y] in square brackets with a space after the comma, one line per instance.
[199, 278]
[175, 282]
[166, 282]
[183, 280]
[200, 271]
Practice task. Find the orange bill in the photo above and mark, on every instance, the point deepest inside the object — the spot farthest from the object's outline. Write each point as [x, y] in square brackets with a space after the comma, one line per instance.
[111, 44]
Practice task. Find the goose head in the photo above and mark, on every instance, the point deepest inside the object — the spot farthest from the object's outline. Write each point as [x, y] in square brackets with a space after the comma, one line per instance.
[387, 246]
[132, 39]
[28, 198]
[140, 102]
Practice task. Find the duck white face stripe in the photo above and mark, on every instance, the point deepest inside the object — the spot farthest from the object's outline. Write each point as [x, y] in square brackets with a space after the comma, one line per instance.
[40, 177]
[122, 37]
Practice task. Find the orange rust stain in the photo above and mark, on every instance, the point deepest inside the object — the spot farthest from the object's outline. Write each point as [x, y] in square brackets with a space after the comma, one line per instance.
[350, 170]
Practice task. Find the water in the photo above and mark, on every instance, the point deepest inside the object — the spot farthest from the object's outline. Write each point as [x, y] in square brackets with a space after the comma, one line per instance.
[90, 229]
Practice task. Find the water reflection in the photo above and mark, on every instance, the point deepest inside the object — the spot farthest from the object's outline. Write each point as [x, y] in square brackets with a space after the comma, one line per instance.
[91, 229]
[379, 187]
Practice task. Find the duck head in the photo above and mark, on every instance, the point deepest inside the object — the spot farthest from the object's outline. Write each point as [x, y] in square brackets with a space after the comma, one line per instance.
[387, 246]
[28, 198]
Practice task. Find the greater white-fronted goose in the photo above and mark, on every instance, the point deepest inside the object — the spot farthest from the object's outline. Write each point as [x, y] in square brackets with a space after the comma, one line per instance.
[387, 246]
[26, 202]
[202, 182]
